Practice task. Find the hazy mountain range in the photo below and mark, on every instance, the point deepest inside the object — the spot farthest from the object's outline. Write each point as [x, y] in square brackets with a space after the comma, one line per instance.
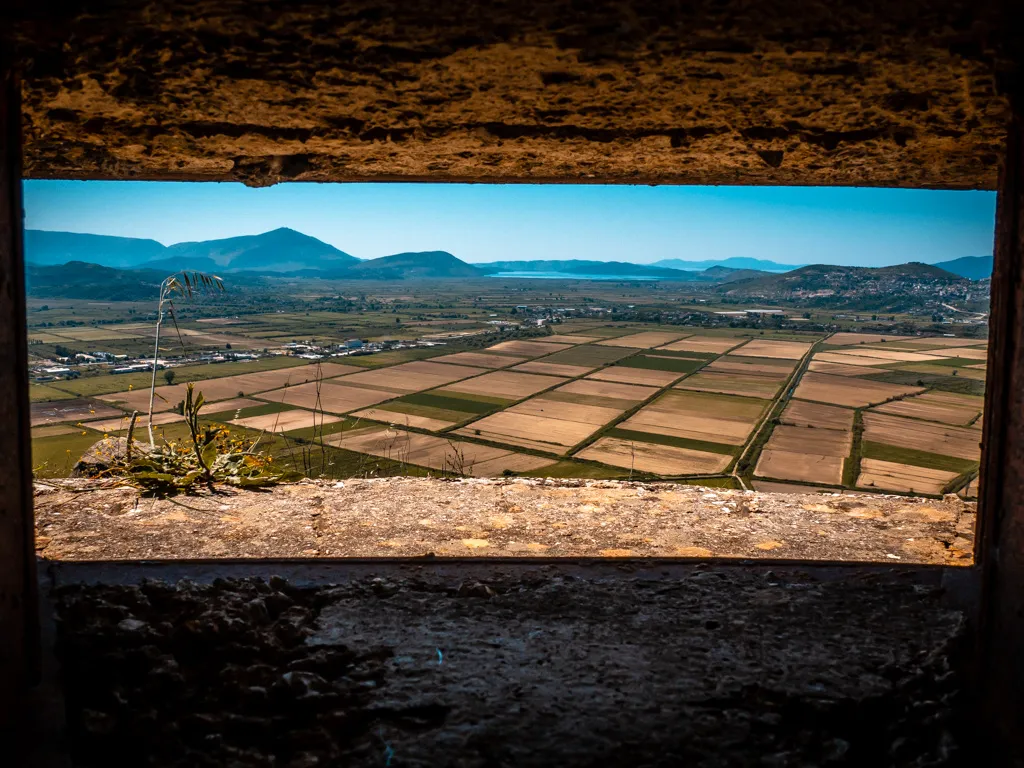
[285, 252]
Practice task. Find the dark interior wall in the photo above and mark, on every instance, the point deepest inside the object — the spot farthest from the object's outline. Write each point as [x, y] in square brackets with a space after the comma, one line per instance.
[893, 93]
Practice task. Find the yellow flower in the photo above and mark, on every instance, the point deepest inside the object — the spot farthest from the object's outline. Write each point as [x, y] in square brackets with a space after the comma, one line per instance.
[130, 387]
[83, 432]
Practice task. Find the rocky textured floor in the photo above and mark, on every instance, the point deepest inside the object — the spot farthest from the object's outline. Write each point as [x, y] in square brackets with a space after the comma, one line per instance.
[83, 520]
[530, 667]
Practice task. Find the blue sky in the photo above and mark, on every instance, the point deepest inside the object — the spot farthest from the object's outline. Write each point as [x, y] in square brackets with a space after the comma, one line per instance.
[869, 227]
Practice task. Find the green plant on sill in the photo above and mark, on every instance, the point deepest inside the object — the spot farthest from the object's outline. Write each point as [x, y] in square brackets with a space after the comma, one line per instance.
[211, 455]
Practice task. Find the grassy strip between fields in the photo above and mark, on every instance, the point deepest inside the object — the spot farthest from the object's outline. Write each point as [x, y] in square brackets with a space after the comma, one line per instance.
[672, 364]
[253, 410]
[450, 402]
[671, 440]
[914, 457]
[954, 384]
[851, 465]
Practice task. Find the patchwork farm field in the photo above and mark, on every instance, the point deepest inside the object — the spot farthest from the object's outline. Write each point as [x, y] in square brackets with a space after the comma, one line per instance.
[895, 414]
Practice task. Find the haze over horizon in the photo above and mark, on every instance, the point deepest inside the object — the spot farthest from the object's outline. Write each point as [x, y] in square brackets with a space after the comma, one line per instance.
[486, 222]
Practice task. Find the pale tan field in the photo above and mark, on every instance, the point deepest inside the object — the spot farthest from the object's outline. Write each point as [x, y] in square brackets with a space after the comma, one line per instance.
[838, 369]
[889, 476]
[285, 421]
[922, 435]
[541, 433]
[54, 430]
[625, 375]
[820, 442]
[509, 384]
[935, 342]
[543, 424]
[767, 486]
[226, 387]
[403, 419]
[443, 454]
[524, 348]
[714, 344]
[887, 355]
[643, 340]
[46, 338]
[807, 467]
[971, 491]
[122, 422]
[334, 398]
[479, 359]
[554, 369]
[562, 338]
[69, 410]
[413, 377]
[967, 353]
[801, 413]
[847, 358]
[698, 416]
[631, 392]
[847, 390]
[659, 459]
[981, 367]
[844, 339]
[787, 350]
[222, 406]
[946, 407]
[762, 386]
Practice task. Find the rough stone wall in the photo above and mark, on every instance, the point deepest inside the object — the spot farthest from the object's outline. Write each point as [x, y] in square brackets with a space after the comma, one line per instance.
[900, 93]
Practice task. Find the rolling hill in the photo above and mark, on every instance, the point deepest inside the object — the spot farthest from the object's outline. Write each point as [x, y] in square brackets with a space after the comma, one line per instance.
[280, 250]
[585, 268]
[422, 264]
[733, 262]
[48, 248]
[971, 267]
[78, 280]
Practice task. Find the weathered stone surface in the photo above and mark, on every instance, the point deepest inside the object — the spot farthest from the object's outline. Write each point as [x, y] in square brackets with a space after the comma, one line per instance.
[413, 517]
[735, 92]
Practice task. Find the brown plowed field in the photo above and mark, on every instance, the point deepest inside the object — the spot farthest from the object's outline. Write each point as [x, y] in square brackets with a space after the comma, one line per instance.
[508, 384]
[946, 407]
[226, 387]
[643, 340]
[285, 421]
[554, 369]
[807, 467]
[844, 339]
[889, 476]
[121, 422]
[714, 344]
[479, 359]
[237, 404]
[801, 413]
[779, 369]
[618, 391]
[839, 369]
[522, 348]
[70, 410]
[659, 459]
[562, 338]
[847, 390]
[413, 377]
[403, 419]
[625, 375]
[922, 435]
[821, 442]
[334, 398]
[787, 350]
[443, 454]
[699, 416]
[732, 384]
